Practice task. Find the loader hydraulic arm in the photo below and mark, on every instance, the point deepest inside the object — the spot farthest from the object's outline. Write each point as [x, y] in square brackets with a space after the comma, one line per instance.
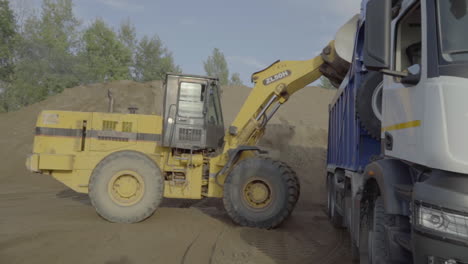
[273, 87]
[275, 84]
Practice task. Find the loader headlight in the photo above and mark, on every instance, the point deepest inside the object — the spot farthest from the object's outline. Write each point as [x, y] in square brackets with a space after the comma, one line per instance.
[443, 221]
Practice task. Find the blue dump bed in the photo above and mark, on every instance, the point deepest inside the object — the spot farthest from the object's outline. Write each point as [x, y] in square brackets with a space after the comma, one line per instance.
[349, 145]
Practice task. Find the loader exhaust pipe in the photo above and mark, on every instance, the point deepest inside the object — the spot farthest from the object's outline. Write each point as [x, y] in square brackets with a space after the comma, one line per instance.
[111, 101]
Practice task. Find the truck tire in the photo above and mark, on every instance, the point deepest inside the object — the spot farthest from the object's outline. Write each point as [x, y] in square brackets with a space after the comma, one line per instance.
[374, 248]
[365, 224]
[335, 217]
[126, 187]
[354, 251]
[379, 246]
[369, 103]
[260, 192]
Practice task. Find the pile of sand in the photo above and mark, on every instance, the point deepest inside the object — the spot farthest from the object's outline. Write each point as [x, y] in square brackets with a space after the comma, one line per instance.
[297, 133]
[300, 122]
[55, 225]
[16, 135]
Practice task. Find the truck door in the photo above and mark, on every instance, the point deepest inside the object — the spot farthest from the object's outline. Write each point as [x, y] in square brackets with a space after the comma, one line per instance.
[403, 107]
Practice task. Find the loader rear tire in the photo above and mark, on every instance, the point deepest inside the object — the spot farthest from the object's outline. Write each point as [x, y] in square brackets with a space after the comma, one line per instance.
[260, 192]
[126, 187]
[369, 103]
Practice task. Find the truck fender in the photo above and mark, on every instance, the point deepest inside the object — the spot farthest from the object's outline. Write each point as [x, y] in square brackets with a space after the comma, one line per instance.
[389, 174]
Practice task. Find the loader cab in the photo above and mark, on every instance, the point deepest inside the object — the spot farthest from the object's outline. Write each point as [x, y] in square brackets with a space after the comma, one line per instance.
[192, 113]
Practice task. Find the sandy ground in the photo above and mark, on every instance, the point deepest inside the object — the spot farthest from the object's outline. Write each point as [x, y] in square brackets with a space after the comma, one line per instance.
[41, 221]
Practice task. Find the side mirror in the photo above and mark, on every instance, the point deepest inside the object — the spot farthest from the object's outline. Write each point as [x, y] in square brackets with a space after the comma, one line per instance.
[377, 34]
[414, 75]
[414, 69]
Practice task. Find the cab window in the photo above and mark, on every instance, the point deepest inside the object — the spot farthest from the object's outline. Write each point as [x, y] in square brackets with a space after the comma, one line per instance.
[214, 114]
[408, 45]
[453, 21]
[191, 99]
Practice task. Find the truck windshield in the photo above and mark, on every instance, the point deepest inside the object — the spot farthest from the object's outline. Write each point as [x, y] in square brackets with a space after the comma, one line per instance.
[453, 23]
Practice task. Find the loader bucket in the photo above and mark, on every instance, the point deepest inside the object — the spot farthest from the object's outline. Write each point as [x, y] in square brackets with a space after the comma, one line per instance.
[344, 39]
[339, 52]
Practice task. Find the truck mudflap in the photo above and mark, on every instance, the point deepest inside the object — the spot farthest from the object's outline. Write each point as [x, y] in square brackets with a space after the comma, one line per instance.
[44, 162]
[390, 174]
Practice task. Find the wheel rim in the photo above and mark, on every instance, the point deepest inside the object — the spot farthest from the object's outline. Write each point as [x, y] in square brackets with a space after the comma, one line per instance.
[377, 101]
[257, 194]
[126, 188]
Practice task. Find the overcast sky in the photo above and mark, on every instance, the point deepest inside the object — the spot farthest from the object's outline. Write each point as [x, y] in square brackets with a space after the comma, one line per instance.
[251, 34]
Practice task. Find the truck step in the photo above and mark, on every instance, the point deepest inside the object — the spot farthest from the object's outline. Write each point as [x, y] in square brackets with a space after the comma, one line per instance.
[404, 191]
[404, 240]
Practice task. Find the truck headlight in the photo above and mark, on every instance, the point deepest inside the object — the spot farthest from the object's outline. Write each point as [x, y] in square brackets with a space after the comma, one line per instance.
[441, 221]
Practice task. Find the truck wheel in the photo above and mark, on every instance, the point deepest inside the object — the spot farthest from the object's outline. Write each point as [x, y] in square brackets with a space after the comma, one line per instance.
[379, 246]
[369, 103]
[260, 192]
[364, 229]
[126, 187]
[335, 218]
[354, 251]
[373, 246]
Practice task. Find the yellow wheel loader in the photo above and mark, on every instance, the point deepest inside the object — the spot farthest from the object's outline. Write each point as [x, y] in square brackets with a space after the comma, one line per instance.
[129, 162]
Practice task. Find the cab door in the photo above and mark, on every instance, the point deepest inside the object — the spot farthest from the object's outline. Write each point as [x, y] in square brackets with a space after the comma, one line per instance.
[403, 107]
[189, 132]
[214, 118]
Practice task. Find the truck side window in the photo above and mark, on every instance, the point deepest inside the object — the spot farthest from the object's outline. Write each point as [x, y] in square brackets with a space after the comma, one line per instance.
[191, 99]
[408, 45]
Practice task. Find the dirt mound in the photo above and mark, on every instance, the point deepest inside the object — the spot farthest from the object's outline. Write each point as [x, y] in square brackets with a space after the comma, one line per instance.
[307, 107]
[56, 225]
[296, 134]
[16, 137]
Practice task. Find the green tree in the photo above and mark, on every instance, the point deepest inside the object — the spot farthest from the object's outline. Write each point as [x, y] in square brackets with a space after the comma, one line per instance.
[235, 79]
[325, 83]
[127, 34]
[8, 41]
[104, 57]
[153, 60]
[46, 58]
[216, 66]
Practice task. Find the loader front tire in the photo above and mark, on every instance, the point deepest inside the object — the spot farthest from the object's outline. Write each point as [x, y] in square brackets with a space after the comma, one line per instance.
[126, 187]
[261, 192]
